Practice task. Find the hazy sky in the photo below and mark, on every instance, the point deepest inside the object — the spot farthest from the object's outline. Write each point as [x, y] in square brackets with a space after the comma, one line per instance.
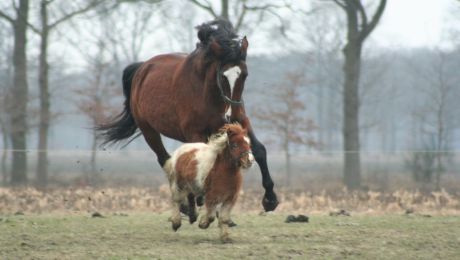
[416, 23]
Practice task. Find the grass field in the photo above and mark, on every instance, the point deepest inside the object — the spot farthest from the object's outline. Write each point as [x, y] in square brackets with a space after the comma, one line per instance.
[149, 236]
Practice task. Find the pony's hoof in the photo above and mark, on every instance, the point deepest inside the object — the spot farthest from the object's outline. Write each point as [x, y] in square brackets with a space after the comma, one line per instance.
[232, 224]
[176, 226]
[270, 201]
[199, 201]
[226, 239]
[211, 219]
[204, 225]
[192, 218]
[184, 209]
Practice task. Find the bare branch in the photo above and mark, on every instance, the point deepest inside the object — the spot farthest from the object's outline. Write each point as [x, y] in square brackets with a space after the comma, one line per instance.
[241, 18]
[207, 7]
[362, 12]
[68, 16]
[33, 28]
[6, 17]
[342, 5]
[263, 7]
[375, 19]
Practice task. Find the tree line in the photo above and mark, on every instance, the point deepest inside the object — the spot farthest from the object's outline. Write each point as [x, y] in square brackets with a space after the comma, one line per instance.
[332, 40]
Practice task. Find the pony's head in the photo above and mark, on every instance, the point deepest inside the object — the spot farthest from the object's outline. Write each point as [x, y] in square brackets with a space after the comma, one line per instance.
[223, 46]
[238, 145]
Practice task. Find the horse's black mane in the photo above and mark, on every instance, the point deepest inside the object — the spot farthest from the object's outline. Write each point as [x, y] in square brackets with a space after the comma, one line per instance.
[222, 31]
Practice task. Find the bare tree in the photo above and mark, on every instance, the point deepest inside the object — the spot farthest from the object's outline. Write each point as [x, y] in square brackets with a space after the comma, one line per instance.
[44, 30]
[285, 118]
[323, 34]
[438, 115]
[359, 28]
[19, 90]
[5, 85]
[94, 100]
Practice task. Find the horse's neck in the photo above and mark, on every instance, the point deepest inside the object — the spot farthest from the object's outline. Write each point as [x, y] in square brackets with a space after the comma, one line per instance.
[204, 71]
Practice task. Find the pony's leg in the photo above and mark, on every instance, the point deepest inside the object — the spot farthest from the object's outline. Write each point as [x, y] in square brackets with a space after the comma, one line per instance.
[224, 221]
[208, 217]
[192, 216]
[270, 201]
[177, 198]
[153, 139]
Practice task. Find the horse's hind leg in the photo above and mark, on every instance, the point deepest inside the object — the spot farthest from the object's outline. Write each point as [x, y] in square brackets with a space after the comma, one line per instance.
[153, 139]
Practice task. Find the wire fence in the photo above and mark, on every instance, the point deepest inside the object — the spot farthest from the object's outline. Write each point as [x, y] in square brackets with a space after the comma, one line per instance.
[315, 169]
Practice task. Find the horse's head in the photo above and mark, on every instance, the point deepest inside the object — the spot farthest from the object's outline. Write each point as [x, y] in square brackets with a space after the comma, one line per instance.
[227, 52]
[238, 145]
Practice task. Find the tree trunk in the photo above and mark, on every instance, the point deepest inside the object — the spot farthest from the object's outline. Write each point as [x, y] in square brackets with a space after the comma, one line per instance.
[93, 172]
[19, 97]
[352, 69]
[42, 164]
[224, 12]
[288, 168]
[4, 168]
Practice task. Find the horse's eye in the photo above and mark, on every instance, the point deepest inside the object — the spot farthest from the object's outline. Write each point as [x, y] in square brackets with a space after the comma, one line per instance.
[234, 146]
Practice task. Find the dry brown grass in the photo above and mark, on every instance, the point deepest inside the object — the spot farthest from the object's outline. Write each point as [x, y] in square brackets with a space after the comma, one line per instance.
[130, 199]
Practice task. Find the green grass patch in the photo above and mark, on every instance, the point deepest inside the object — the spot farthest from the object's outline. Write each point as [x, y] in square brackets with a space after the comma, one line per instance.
[149, 236]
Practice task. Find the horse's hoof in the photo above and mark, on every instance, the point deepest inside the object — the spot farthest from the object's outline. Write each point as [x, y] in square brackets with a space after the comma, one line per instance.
[270, 201]
[176, 226]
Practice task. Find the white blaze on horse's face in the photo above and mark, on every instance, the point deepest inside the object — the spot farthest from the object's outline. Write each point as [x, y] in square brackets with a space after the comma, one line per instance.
[232, 75]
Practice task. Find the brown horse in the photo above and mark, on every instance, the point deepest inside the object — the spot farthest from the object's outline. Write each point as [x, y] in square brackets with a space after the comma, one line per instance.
[212, 170]
[185, 97]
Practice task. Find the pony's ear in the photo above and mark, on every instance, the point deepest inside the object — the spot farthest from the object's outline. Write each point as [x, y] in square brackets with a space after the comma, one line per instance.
[244, 47]
[216, 48]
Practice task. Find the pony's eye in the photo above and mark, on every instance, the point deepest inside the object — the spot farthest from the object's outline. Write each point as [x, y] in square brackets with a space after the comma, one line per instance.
[234, 146]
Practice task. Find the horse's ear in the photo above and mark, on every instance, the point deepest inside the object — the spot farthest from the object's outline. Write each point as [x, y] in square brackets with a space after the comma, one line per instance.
[216, 48]
[244, 47]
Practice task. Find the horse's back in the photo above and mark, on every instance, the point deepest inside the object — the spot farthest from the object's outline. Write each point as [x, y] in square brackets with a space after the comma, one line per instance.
[153, 94]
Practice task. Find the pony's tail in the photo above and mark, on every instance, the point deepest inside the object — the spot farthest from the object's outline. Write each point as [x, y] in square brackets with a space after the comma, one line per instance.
[168, 168]
[123, 125]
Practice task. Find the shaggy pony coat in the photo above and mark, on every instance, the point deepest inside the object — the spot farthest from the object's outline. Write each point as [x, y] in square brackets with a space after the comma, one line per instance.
[212, 170]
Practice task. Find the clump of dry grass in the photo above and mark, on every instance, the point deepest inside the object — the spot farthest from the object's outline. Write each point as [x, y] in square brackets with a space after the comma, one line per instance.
[132, 199]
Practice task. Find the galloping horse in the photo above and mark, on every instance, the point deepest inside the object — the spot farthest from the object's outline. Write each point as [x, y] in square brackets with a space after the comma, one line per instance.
[212, 170]
[184, 97]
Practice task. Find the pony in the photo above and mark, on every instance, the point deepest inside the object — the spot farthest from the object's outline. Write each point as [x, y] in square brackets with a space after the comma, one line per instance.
[212, 170]
[189, 97]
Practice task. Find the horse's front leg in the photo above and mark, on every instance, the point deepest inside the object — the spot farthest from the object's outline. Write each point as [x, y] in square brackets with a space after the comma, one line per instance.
[270, 201]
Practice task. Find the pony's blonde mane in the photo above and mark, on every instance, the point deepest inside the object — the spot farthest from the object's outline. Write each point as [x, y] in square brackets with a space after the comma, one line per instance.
[219, 140]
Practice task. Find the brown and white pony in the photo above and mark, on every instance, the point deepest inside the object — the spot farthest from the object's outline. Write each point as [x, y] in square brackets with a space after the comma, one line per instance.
[211, 170]
[189, 97]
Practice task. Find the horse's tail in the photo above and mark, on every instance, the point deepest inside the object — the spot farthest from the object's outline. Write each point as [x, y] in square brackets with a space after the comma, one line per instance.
[123, 125]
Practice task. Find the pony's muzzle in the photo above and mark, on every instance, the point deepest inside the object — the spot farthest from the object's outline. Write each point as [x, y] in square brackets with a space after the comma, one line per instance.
[247, 160]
